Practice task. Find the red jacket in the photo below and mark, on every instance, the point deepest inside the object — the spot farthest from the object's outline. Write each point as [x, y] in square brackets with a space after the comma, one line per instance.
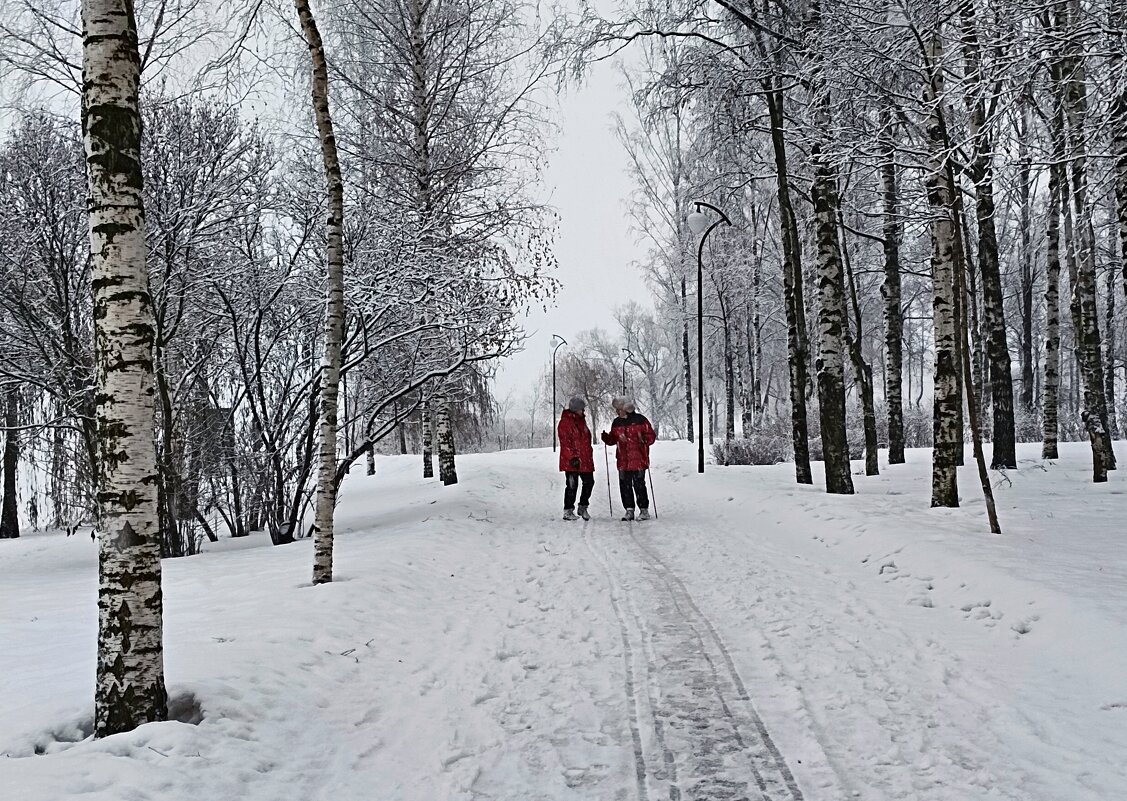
[633, 435]
[575, 443]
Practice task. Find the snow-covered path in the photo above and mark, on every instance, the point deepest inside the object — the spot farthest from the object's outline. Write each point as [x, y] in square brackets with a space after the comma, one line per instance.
[760, 640]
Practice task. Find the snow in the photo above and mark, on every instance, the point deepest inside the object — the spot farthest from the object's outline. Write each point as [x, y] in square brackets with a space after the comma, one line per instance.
[758, 640]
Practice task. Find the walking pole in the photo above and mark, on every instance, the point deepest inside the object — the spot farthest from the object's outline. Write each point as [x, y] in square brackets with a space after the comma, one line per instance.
[606, 458]
[653, 498]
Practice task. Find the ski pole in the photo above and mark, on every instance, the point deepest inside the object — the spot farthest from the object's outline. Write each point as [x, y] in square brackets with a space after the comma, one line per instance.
[606, 458]
[653, 498]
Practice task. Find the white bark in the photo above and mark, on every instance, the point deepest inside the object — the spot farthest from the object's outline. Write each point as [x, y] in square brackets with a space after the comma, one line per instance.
[130, 686]
[334, 307]
[947, 412]
[444, 435]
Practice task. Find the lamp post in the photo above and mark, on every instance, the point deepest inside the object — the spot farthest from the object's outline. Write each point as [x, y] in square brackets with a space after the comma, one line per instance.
[555, 403]
[629, 357]
[698, 224]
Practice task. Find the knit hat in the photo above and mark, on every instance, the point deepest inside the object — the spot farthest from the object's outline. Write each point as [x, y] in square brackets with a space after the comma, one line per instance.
[577, 404]
[617, 403]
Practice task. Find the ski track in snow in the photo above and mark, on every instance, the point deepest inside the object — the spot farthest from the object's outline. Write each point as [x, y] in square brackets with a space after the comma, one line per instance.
[705, 740]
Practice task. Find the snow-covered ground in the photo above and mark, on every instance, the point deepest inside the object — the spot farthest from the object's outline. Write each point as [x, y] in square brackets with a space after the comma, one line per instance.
[759, 640]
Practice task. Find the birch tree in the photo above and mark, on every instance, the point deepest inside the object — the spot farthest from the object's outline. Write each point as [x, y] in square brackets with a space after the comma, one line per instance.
[334, 306]
[130, 688]
[1073, 89]
[948, 410]
[444, 441]
[1050, 429]
[830, 362]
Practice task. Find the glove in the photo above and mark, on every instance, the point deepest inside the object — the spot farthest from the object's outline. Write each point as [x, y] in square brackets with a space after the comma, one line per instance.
[574, 463]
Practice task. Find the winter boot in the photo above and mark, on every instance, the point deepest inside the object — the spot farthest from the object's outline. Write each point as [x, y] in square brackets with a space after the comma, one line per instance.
[569, 514]
[629, 515]
[643, 514]
[583, 513]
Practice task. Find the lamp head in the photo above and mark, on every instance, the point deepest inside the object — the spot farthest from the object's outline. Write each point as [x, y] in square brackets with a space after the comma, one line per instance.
[697, 222]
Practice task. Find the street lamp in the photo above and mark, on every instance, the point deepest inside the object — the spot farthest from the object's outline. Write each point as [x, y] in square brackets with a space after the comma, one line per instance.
[698, 224]
[629, 357]
[555, 402]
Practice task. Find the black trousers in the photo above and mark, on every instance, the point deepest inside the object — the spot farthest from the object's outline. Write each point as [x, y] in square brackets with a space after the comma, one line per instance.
[631, 483]
[572, 485]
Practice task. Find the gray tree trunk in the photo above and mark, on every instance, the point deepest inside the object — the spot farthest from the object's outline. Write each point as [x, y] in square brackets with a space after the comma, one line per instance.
[947, 412]
[756, 355]
[129, 688]
[964, 363]
[729, 380]
[334, 306]
[427, 422]
[1117, 123]
[981, 172]
[1050, 428]
[686, 358]
[797, 348]
[1109, 361]
[862, 370]
[9, 511]
[890, 289]
[1025, 188]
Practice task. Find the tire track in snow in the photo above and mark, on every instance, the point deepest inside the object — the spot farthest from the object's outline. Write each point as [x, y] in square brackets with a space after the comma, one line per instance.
[702, 739]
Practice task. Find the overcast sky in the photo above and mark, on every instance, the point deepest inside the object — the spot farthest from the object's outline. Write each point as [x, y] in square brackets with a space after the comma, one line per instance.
[595, 247]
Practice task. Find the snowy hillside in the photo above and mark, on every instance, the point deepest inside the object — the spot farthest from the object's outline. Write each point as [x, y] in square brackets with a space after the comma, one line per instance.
[758, 640]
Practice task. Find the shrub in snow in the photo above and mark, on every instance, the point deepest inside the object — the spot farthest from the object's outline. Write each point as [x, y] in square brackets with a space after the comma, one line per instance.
[758, 448]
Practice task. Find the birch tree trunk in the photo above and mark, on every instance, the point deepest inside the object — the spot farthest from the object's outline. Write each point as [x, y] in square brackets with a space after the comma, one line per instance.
[447, 471]
[947, 412]
[9, 512]
[830, 363]
[1082, 304]
[890, 290]
[830, 281]
[129, 688]
[334, 306]
[428, 438]
[981, 172]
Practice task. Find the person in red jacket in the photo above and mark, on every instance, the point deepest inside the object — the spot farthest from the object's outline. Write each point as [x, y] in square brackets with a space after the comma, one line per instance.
[577, 462]
[633, 435]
